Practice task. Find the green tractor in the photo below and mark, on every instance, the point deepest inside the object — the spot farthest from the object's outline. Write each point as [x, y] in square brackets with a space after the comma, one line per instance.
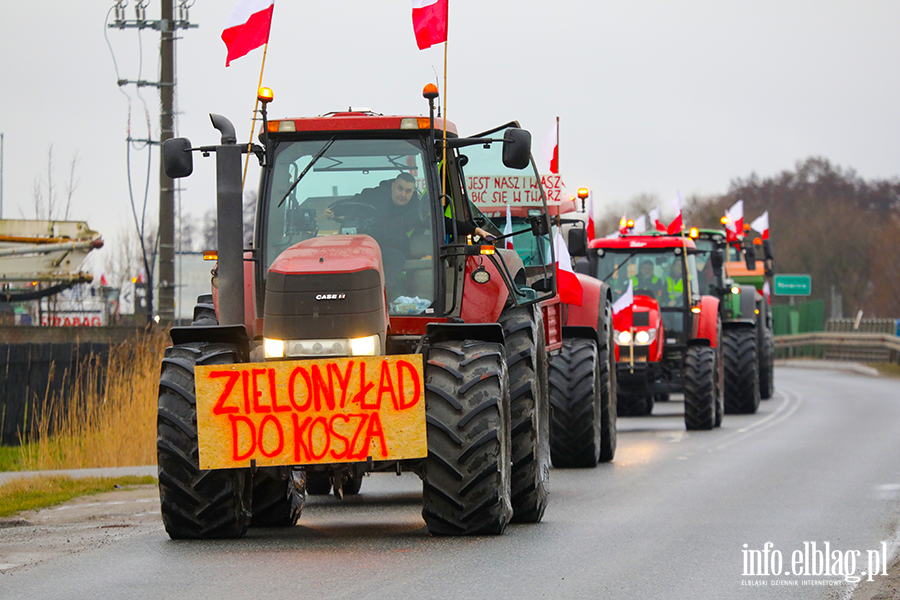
[732, 273]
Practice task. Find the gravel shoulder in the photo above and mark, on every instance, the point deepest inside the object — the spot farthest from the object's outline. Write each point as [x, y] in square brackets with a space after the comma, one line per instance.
[81, 524]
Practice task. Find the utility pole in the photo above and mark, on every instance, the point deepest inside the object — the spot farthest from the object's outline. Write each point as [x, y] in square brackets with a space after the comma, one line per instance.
[1, 175]
[166, 191]
[167, 26]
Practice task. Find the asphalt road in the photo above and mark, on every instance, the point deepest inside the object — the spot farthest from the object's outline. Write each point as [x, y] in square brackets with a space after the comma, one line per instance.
[668, 519]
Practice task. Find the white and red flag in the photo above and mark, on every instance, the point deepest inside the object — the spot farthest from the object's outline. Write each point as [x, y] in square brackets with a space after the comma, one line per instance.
[623, 224]
[508, 229]
[734, 228]
[567, 284]
[429, 18]
[591, 230]
[247, 27]
[625, 301]
[550, 148]
[677, 224]
[654, 220]
[761, 224]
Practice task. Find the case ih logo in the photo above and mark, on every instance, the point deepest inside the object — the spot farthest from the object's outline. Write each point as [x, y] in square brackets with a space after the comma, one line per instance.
[330, 296]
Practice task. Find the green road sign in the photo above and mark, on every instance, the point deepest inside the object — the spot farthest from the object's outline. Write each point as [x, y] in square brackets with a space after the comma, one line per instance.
[793, 285]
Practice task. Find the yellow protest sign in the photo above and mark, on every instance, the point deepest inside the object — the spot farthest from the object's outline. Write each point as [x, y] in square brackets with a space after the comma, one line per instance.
[311, 411]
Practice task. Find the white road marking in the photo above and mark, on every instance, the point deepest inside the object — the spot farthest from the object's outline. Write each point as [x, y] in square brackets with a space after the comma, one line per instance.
[784, 411]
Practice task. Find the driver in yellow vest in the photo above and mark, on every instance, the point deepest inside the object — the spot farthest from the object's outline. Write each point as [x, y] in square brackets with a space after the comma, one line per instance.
[647, 280]
[675, 284]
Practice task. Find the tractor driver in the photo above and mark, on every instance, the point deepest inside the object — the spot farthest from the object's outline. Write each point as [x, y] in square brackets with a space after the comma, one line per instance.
[647, 280]
[675, 284]
[398, 217]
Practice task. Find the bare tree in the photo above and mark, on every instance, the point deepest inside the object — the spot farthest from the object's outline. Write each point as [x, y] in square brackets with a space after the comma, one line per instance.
[46, 203]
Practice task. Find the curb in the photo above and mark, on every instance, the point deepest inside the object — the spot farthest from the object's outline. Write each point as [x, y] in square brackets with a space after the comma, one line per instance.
[78, 473]
[828, 365]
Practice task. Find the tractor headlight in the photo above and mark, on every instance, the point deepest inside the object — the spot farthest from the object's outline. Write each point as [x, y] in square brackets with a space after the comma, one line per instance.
[644, 337]
[735, 290]
[274, 348]
[321, 348]
[364, 346]
[624, 338]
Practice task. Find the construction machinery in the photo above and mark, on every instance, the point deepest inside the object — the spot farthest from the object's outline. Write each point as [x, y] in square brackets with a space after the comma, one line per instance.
[41, 258]
[668, 338]
[373, 326]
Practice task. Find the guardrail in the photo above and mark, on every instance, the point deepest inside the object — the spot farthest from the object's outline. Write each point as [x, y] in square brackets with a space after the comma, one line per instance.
[859, 347]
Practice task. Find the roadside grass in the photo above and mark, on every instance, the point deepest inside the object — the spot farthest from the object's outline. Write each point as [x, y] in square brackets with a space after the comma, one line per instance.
[12, 458]
[32, 493]
[114, 426]
[886, 369]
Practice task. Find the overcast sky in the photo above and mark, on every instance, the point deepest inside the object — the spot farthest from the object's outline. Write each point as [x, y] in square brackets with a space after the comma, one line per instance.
[653, 96]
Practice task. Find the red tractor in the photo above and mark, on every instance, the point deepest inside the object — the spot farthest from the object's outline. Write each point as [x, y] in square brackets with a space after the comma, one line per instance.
[583, 407]
[668, 339]
[372, 326]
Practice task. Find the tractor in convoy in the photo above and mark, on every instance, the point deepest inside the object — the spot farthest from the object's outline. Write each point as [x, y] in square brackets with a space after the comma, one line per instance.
[668, 340]
[745, 300]
[582, 373]
[373, 325]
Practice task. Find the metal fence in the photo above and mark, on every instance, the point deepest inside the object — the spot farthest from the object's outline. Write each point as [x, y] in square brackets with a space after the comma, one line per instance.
[858, 347]
[887, 326]
[35, 373]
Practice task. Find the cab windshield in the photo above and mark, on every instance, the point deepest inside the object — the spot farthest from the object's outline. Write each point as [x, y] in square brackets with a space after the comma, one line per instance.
[375, 187]
[705, 278]
[658, 274]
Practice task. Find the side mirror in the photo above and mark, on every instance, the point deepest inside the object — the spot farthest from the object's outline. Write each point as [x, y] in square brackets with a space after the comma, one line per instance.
[767, 250]
[577, 242]
[750, 257]
[516, 148]
[177, 158]
[717, 261]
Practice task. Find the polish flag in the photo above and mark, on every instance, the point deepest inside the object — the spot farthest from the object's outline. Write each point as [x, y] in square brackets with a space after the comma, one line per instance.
[623, 224]
[103, 281]
[677, 224]
[247, 27]
[625, 301]
[761, 224]
[591, 231]
[567, 284]
[508, 229]
[550, 148]
[767, 292]
[429, 18]
[734, 228]
[654, 220]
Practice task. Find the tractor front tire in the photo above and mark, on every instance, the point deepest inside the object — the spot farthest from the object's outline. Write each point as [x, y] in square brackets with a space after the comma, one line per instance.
[466, 476]
[195, 504]
[204, 312]
[609, 402]
[767, 366]
[278, 497]
[575, 386]
[700, 389]
[523, 331]
[739, 346]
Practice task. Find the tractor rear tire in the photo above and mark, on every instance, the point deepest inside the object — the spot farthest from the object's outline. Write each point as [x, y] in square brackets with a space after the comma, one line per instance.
[195, 504]
[767, 366]
[700, 389]
[318, 484]
[205, 312]
[739, 345]
[278, 497]
[523, 330]
[575, 386]
[466, 476]
[632, 404]
[609, 401]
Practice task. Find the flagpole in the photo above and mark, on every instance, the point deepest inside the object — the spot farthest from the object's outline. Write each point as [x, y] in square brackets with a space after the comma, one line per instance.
[255, 110]
[444, 158]
[557, 144]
